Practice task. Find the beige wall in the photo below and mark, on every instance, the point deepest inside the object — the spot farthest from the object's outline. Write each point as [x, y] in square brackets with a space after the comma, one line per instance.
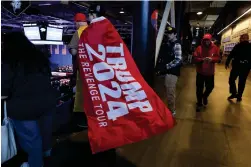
[242, 27]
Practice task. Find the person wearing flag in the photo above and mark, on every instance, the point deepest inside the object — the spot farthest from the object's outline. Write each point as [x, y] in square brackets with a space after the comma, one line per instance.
[121, 107]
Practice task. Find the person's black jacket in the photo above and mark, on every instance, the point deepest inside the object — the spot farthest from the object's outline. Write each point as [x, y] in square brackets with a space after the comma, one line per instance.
[170, 59]
[241, 55]
[29, 95]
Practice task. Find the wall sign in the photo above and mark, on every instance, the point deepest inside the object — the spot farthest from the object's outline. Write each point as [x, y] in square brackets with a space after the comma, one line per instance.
[227, 39]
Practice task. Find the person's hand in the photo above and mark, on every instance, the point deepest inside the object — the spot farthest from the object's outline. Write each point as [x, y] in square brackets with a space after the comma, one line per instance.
[208, 59]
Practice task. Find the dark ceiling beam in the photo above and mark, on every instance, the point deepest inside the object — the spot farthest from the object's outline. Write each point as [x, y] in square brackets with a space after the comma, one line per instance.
[108, 12]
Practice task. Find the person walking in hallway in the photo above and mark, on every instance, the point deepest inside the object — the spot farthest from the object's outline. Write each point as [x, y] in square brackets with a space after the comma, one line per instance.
[241, 65]
[205, 56]
[31, 102]
[169, 64]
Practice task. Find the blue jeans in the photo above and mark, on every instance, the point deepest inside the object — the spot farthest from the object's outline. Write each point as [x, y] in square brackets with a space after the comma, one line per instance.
[35, 138]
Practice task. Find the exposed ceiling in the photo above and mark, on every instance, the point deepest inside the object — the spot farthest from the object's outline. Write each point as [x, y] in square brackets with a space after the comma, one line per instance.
[62, 13]
[210, 12]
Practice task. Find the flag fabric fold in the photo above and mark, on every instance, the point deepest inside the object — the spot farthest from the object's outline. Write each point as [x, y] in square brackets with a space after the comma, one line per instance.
[120, 106]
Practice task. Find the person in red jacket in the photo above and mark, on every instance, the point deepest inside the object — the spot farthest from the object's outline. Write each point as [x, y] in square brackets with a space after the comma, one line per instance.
[205, 56]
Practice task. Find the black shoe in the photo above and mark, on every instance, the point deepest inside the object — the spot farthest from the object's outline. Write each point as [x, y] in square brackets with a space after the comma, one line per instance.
[239, 99]
[199, 107]
[233, 96]
[205, 101]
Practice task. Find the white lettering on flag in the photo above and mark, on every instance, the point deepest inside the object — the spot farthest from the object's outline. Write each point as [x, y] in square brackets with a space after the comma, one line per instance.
[116, 109]
[115, 49]
[91, 52]
[132, 91]
[110, 92]
[112, 82]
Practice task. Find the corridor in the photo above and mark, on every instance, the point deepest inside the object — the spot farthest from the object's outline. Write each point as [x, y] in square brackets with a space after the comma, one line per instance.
[220, 136]
[217, 137]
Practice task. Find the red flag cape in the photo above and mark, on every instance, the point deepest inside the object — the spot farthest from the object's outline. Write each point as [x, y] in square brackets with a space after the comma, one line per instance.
[121, 107]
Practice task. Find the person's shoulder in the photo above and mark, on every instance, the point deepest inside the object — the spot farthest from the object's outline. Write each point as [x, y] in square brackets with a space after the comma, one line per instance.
[215, 47]
[198, 47]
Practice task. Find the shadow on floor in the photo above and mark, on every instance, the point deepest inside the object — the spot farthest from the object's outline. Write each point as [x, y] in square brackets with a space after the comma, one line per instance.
[77, 154]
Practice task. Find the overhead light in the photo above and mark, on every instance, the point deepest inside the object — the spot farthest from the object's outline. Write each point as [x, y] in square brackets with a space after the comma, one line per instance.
[249, 10]
[197, 28]
[199, 13]
[42, 29]
[45, 4]
[56, 26]
[125, 23]
[122, 11]
[47, 42]
[33, 24]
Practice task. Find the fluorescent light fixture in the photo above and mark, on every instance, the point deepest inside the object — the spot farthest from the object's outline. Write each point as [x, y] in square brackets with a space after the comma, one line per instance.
[122, 11]
[45, 4]
[47, 42]
[249, 10]
[56, 26]
[199, 13]
[197, 28]
[31, 24]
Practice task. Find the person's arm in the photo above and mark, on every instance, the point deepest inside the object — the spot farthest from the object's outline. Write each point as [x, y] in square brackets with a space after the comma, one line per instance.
[231, 56]
[216, 57]
[197, 57]
[73, 45]
[178, 57]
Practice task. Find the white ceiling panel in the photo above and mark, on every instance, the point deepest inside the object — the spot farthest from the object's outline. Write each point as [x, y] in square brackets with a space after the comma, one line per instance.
[212, 17]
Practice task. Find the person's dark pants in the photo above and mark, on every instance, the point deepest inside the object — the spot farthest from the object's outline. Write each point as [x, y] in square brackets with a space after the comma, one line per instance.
[202, 82]
[242, 74]
[35, 137]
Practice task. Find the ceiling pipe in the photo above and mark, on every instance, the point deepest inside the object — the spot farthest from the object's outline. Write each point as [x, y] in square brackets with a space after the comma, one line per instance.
[11, 25]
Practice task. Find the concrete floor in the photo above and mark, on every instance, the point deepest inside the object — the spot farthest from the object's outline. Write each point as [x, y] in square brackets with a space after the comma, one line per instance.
[220, 136]
[217, 137]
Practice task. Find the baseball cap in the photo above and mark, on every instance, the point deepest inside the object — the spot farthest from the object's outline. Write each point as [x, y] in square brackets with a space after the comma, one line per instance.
[79, 17]
[171, 30]
[207, 36]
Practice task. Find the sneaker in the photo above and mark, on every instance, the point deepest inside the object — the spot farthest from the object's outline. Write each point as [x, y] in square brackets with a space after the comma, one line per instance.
[205, 101]
[25, 164]
[233, 96]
